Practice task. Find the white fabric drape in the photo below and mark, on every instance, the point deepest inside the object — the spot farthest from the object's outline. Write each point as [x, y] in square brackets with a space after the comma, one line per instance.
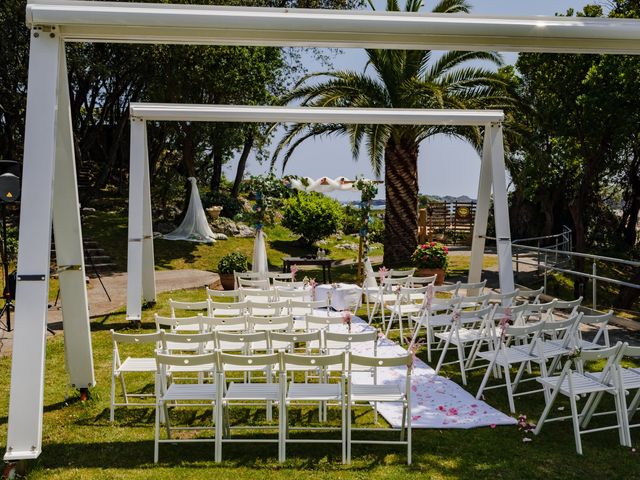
[369, 275]
[259, 262]
[194, 226]
[322, 184]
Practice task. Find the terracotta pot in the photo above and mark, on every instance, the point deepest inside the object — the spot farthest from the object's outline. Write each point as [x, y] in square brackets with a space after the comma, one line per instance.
[228, 281]
[427, 272]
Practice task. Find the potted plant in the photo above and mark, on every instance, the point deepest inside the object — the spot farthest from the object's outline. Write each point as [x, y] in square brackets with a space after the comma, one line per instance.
[214, 212]
[431, 258]
[232, 262]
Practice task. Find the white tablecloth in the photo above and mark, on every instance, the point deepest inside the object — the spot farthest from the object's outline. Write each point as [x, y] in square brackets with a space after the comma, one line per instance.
[343, 295]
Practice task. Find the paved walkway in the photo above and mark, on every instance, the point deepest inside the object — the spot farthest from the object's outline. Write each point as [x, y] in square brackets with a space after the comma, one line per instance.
[116, 285]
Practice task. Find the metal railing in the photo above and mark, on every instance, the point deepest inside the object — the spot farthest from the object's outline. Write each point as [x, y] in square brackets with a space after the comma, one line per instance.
[558, 257]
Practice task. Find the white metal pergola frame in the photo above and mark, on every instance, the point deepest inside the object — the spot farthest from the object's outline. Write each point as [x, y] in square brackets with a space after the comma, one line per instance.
[140, 263]
[49, 154]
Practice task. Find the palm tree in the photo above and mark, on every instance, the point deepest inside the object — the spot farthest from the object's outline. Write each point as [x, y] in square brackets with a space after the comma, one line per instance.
[400, 79]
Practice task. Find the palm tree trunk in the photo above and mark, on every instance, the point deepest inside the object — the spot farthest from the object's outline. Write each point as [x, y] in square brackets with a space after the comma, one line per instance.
[401, 192]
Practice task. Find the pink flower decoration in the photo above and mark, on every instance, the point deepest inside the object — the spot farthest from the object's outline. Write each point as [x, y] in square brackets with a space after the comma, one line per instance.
[452, 412]
[441, 408]
[346, 318]
[294, 270]
[383, 273]
[455, 317]
[313, 284]
[493, 425]
[416, 417]
[430, 293]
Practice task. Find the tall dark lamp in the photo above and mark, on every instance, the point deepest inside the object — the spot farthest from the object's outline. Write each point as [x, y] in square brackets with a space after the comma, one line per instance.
[9, 193]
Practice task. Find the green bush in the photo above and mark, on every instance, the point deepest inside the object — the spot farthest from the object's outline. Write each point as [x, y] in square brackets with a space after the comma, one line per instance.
[312, 216]
[376, 230]
[351, 221]
[230, 206]
[233, 262]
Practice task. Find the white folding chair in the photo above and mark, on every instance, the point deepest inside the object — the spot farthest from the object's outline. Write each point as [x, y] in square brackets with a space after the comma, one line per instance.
[363, 394]
[574, 384]
[434, 316]
[137, 364]
[530, 296]
[472, 289]
[504, 355]
[282, 323]
[422, 281]
[244, 343]
[291, 294]
[184, 395]
[225, 324]
[387, 295]
[300, 308]
[409, 301]
[401, 272]
[505, 299]
[323, 391]
[536, 312]
[287, 284]
[305, 343]
[468, 327]
[248, 276]
[280, 277]
[599, 323]
[252, 395]
[324, 322]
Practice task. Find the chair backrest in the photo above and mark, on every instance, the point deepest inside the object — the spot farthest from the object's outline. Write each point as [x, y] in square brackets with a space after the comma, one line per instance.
[299, 294]
[321, 322]
[451, 289]
[307, 307]
[260, 284]
[226, 324]
[417, 281]
[390, 282]
[532, 296]
[613, 355]
[404, 272]
[475, 301]
[334, 341]
[564, 329]
[267, 309]
[537, 311]
[484, 313]
[281, 322]
[513, 311]
[287, 284]
[134, 338]
[405, 292]
[361, 362]
[280, 277]
[294, 341]
[228, 309]
[172, 323]
[250, 275]
[252, 295]
[503, 298]
[570, 305]
[442, 305]
[229, 361]
[313, 361]
[207, 361]
[198, 339]
[241, 342]
[177, 307]
[633, 352]
[213, 295]
[474, 288]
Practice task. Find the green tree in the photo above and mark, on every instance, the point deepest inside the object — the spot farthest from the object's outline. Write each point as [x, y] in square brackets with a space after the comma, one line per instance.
[399, 79]
[312, 216]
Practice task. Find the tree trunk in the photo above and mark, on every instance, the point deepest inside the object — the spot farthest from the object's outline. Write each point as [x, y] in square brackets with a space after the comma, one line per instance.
[401, 192]
[188, 162]
[628, 228]
[242, 163]
[216, 178]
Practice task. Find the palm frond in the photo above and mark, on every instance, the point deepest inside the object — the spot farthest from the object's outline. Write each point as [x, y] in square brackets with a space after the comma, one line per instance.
[454, 59]
[452, 6]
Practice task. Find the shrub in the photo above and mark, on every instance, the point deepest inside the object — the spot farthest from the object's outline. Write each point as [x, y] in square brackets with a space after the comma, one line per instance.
[351, 220]
[376, 230]
[312, 216]
[431, 255]
[233, 262]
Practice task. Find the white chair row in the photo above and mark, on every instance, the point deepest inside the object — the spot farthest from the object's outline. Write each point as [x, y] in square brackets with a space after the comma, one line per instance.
[262, 277]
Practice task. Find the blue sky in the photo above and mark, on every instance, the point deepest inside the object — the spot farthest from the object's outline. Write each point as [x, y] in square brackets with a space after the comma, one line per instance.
[445, 166]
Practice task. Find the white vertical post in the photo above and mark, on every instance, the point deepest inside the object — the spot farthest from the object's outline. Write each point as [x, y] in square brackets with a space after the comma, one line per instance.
[482, 210]
[501, 210]
[69, 249]
[136, 220]
[24, 436]
[148, 262]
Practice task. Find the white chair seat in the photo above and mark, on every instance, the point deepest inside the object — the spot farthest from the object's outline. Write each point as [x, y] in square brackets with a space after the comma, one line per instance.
[376, 393]
[508, 356]
[253, 391]
[406, 308]
[132, 364]
[466, 335]
[314, 391]
[587, 345]
[435, 320]
[550, 348]
[581, 384]
[223, 312]
[190, 391]
[630, 377]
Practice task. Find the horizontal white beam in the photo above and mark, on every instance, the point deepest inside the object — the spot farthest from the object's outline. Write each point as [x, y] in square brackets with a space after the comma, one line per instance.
[88, 21]
[242, 113]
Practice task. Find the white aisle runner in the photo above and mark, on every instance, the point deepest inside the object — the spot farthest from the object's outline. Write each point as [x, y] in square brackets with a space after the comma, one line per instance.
[436, 402]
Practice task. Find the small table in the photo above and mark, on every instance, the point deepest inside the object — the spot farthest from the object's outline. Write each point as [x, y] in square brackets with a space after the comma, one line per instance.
[343, 295]
[325, 263]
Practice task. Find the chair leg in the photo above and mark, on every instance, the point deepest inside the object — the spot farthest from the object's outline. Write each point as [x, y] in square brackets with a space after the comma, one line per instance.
[507, 382]
[156, 439]
[485, 379]
[218, 432]
[576, 423]
[343, 419]
[546, 410]
[113, 399]
[461, 362]
[348, 422]
[443, 354]
[409, 427]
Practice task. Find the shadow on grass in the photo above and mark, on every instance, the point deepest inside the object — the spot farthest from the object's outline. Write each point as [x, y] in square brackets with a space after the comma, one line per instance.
[166, 251]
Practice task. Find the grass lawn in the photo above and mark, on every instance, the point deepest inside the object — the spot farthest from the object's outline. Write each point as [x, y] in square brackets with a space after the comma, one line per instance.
[80, 443]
